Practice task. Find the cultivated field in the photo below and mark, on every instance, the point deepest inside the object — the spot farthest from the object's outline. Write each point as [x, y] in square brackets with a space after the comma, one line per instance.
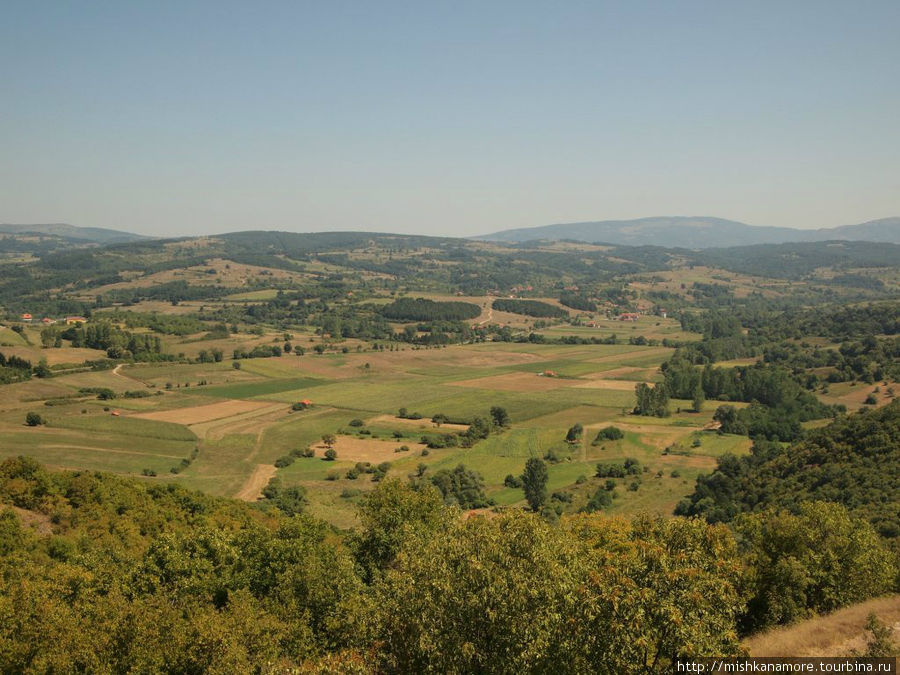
[221, 429]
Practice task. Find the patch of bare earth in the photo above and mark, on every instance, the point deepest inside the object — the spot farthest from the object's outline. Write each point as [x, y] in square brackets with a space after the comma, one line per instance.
[253, 488]
[39, 522]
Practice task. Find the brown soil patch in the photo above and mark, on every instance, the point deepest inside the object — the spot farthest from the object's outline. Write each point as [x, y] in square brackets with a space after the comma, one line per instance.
[351, 449]
[517, 382]
[256, 482]
[37, 521]
[834, 634]
[203, 413]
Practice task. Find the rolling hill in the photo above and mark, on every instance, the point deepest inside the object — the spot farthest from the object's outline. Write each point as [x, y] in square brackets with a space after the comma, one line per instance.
[93, 235]
[696, 232]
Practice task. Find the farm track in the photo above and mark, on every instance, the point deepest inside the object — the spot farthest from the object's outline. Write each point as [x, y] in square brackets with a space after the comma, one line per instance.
[256, 482]
[263, 473]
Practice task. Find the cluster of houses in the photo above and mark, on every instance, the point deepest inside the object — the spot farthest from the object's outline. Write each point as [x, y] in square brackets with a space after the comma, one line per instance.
[47, 321]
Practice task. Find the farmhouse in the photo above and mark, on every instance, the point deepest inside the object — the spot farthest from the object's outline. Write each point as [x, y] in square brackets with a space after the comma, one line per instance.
[628, 316]
[71, 320]
[26, 318]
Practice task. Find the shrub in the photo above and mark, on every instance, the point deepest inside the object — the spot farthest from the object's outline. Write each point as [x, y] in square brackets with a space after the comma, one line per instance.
[512, 481]
[33, 419]
[609, 434]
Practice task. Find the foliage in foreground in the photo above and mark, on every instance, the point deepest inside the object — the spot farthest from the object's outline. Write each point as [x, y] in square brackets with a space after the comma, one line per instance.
[120, 575]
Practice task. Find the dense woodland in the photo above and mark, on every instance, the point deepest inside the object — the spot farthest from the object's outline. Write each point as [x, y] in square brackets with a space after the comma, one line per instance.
[122, 576]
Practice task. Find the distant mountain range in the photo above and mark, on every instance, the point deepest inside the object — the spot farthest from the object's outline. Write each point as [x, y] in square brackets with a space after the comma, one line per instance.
[695, 232]
[94, 235]
[666, 231]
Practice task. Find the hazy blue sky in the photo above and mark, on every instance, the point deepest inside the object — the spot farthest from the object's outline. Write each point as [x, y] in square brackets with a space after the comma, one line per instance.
[460, 118]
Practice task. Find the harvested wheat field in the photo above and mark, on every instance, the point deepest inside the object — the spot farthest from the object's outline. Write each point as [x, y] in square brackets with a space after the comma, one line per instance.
[203, 413]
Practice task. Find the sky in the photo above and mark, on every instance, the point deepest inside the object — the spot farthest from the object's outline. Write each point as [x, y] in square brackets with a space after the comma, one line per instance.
[449, 118]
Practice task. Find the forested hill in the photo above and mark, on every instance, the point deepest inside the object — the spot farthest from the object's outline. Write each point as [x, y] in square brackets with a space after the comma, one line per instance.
[697, 232]
[854, 461]
[95, 235]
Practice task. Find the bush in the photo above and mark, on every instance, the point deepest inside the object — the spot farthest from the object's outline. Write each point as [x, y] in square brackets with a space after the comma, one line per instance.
[331, 454]
[33, 419]
[512, 481]
[356, 422]
[601, 500]
[610, 470]
[609, 434]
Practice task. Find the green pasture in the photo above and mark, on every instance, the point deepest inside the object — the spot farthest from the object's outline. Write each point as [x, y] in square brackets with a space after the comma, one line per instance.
[262, 389]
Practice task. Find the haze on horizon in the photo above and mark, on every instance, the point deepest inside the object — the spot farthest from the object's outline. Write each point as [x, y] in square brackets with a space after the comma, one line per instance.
[447, 118]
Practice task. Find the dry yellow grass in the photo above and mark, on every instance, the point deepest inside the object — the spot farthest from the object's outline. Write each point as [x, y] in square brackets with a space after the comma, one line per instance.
[518, 382]
[203, 413]
[614, 385]
[836, 634]
[55, 355]
[424, 424]
[350, 449]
